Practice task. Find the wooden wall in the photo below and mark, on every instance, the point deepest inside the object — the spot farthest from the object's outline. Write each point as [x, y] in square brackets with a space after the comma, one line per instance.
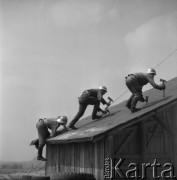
[152, 138]
[85, 157]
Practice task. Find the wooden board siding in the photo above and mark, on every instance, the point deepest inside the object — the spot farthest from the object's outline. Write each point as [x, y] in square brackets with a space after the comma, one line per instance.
[88, 158]
[52, 161]
[99, 160]
[172, 116]
[68, 157]
[76, 157]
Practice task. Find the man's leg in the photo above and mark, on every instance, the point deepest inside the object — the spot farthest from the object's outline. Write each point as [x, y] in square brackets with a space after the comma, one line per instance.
[43, 134]
[136, 90]
[137, 97]
[82, 108]
[95, 110]
[135, 100]
[42, 142]
[96, 103]
[129, 101]
[40, 149]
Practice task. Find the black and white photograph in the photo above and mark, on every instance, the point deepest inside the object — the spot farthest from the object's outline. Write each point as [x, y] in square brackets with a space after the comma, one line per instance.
[88, 89]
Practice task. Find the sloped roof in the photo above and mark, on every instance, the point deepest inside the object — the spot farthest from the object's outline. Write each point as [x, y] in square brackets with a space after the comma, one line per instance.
[120, 117]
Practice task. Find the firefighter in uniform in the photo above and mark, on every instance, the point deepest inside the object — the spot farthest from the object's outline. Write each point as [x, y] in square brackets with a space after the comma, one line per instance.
[43, 133]
[90, 97]
[135, 83]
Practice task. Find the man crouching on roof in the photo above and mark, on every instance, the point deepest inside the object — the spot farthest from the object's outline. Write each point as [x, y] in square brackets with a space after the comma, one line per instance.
[43, 133]
[90, 97]
[135, 83]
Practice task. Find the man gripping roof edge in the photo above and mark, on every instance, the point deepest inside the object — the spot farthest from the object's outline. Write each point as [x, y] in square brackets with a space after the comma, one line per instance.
[43, 133]
[135, 83]
[90, 97]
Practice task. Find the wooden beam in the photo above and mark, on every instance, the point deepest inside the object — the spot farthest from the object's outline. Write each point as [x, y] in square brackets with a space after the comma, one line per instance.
[130, 135]
[142, 141]
[111, 144]
[98, 138]
[132, 122]
[167, 105]
[156, 155]
[173, 117]
[166, 128]
[153, 135]
[136, 156]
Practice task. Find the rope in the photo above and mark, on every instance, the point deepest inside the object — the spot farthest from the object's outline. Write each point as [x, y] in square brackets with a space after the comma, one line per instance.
[120, 96]
[163, 60]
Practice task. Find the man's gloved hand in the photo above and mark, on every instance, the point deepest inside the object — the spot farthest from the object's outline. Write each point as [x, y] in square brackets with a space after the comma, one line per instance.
[108, 104]
[162, 86]
[65, 128]
[106, 111]
[142, 99]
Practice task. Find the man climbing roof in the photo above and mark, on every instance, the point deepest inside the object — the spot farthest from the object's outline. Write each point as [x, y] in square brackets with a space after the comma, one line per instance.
[90, 97]
[43, 133]
[135, 83]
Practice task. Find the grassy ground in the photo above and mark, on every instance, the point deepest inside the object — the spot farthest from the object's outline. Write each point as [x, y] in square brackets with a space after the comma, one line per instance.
[18, 175]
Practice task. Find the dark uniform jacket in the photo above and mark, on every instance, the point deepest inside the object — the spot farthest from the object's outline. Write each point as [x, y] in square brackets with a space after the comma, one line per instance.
[92, 93]
[145, 78]
[52, 124]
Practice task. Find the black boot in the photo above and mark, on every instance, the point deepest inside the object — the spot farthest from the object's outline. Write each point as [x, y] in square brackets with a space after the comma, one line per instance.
[95, 110]
[133, 104]
[129, 101]
[135, 109]
[71, 126]
[39, 157]
[96, 117]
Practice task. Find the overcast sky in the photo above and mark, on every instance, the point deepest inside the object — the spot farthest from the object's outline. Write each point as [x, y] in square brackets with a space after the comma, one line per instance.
[52, 50]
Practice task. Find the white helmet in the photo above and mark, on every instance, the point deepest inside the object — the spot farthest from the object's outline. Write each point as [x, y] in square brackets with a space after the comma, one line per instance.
[104, 88]
[62, 119]
[151, 71]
